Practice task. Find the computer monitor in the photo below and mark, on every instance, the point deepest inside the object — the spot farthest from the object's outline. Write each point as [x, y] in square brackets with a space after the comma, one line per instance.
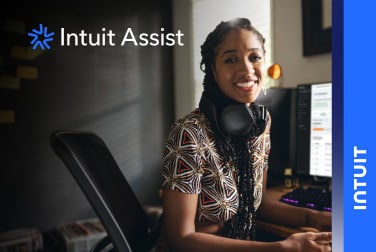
[314, 130]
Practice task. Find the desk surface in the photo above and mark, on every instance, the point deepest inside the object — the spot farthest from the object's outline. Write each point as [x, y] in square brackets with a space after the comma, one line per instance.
[280, 230]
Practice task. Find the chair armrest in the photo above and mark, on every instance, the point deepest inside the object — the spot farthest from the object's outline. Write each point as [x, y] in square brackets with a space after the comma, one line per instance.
[102, 244]
[153, 214]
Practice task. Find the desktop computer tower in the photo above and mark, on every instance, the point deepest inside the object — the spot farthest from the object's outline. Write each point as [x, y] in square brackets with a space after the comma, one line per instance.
[281, 104]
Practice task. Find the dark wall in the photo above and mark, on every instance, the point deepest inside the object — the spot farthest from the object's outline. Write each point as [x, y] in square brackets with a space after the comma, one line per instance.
[280, 103]
[124, 94]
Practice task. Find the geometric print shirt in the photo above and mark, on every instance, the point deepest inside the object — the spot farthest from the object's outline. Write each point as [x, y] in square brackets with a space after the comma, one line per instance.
[192, 164]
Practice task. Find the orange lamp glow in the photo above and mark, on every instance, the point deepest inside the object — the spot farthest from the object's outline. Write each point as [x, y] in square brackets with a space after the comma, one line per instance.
[275, 71]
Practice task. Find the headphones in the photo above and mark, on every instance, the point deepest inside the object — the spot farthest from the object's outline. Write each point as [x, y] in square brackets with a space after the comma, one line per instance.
[241, 119]
[233, 118]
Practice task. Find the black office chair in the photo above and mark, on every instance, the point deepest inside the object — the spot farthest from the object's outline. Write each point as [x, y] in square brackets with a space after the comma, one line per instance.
[95, 170]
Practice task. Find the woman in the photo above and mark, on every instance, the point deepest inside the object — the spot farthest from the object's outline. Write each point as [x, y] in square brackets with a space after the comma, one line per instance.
[216, 158]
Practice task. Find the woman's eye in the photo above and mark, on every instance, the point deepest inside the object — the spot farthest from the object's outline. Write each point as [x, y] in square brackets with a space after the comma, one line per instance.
[231, 60]
[255, 58]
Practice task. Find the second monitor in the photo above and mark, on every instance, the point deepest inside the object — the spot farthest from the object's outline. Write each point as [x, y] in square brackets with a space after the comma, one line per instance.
[314, 130]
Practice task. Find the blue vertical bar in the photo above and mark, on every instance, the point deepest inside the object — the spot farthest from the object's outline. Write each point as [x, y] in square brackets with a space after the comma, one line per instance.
[337, 78]
[359, 104]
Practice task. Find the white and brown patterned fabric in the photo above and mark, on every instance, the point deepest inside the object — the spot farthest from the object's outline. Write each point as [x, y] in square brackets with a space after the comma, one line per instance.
[192, 164]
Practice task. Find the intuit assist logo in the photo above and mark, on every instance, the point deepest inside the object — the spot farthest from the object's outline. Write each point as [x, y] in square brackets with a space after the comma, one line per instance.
[105, 37]
[41, 37]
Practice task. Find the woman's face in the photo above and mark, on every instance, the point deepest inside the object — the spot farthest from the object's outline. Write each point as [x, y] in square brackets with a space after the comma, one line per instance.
[239, 66]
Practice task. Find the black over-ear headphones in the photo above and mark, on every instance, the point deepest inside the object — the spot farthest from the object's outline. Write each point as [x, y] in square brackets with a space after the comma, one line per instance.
[241, 119]
[233, 118]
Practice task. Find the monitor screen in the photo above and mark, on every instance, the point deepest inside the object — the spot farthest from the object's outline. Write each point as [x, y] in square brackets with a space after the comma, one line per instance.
[314, 129]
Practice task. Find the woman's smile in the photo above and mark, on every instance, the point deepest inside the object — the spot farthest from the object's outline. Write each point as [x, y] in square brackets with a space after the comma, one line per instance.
[239, 66]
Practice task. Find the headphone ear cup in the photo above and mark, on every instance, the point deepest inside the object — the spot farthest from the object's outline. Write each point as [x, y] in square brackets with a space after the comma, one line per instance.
[240, 119]
[237, 119]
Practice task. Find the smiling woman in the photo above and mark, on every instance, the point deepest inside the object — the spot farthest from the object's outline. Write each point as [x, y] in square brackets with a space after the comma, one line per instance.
[214, 174]
[238, 67]
[196, 19]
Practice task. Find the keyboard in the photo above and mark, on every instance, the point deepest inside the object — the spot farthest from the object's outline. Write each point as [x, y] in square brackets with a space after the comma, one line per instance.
[309, 197]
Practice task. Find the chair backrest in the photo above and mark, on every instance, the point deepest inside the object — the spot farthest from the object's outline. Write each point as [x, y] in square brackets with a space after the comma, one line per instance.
[95, 170]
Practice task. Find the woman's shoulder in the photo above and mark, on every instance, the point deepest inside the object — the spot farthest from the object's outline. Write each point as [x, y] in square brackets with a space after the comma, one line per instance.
[193, 125]
[193, 120]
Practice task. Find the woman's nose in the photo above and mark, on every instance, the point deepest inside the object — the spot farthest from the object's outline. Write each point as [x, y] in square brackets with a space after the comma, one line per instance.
[247, 67]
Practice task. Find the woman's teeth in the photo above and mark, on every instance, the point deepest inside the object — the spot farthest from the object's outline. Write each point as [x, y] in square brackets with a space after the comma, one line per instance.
[245, 84]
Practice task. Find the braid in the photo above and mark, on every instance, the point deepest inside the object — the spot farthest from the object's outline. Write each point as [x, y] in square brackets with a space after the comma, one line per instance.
[243, 224]
[236, 153]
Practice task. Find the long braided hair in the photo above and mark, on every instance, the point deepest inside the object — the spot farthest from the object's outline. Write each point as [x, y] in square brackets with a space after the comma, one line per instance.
[234, 149]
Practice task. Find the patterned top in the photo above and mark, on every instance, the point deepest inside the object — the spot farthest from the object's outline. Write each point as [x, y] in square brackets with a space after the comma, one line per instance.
[192, 164]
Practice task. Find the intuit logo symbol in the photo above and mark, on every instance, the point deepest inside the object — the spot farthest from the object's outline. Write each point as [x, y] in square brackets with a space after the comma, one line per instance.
[41, 37]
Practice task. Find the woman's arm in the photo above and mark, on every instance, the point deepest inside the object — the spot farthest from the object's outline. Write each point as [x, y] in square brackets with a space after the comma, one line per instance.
[275, 211]
[179, 219]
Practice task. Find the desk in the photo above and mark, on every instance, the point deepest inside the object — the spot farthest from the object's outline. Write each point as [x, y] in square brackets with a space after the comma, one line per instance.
[276, 229]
